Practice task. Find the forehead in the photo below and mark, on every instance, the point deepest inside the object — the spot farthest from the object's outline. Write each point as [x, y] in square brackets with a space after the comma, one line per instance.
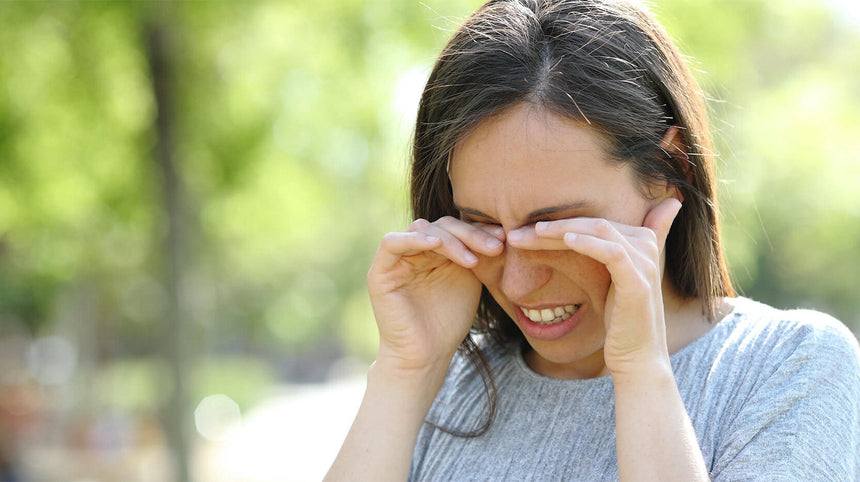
[527, 158]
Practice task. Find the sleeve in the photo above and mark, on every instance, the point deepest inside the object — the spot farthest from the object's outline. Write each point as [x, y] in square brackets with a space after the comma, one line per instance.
[802, 420]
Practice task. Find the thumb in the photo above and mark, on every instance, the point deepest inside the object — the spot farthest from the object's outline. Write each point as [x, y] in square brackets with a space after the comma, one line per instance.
[659, 219]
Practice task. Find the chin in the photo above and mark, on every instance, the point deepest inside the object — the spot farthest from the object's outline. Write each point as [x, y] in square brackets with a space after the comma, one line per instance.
[575, 359]
[566, 355]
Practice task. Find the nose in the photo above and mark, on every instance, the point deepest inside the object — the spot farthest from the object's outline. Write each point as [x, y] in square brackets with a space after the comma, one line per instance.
[523, 273]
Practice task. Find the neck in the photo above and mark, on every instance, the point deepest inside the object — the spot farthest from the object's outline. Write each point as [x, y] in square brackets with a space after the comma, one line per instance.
[686, 319]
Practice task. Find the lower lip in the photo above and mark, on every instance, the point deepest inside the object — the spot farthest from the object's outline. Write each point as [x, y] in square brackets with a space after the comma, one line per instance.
[555, 331]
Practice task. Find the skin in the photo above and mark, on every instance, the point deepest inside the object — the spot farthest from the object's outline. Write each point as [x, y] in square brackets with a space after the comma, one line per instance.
[568, 241]
[546, 220]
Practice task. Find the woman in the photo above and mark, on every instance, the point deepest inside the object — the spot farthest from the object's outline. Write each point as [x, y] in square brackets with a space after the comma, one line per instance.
[567, 240]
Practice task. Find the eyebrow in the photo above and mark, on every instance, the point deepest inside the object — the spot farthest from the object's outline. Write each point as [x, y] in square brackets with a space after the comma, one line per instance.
[534, 214]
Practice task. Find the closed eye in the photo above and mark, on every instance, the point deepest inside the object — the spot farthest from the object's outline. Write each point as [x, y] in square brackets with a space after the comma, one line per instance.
[472, 220]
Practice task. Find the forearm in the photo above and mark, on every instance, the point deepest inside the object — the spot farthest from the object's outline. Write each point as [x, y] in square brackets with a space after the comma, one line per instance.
[654, 436]
[379, 445]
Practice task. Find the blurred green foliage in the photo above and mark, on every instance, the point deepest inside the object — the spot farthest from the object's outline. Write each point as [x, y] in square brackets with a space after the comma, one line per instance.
[292, 127]
[787, 123]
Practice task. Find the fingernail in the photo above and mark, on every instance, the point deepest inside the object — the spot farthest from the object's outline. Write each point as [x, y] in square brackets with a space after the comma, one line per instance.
[515, 235]
[497, 231]
[540, 225]
[430, 238]
[493, 243]
[470, 258]
[569, 237]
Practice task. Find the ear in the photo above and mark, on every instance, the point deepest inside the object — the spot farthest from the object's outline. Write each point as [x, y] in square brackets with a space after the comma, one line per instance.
[662, 191]
[673, 144]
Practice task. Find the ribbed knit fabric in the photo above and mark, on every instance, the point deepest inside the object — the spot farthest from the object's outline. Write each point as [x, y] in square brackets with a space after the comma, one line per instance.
[773, 395]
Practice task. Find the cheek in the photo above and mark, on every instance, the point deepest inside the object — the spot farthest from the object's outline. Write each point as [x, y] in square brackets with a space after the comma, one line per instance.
[569, 271]
[489, 270]
[579, 275]
[589, 275]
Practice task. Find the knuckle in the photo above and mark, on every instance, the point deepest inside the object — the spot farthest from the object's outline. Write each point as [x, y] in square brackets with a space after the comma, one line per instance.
[603, 227]
[652, 251]
[650, 269]
[646, 242]
[647, 248]
[388, 239]
[418, 224]
[617, 253]
[650, 235]
[393, 241]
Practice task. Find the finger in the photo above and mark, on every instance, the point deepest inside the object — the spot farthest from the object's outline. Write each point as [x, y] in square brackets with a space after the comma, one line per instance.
[497, 231]
[460, 240]
[481, 238]
[625, 274]
[493, 230]
[528, 239]
[552, 232]
[660, 219]
[451, 247]
[592, 226]
[396, 245]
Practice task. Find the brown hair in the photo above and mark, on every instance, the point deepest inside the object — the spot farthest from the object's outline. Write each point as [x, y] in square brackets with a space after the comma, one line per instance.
[607, 64]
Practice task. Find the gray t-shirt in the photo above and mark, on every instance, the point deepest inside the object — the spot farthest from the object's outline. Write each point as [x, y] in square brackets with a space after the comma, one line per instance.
[773, 395]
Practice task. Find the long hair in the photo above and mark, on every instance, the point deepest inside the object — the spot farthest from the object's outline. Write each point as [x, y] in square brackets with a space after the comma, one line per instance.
[606, 64]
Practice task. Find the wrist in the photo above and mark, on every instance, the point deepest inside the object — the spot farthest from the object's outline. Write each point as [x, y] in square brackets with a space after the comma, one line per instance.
[655, 371]
[393, 364]
[418, 382]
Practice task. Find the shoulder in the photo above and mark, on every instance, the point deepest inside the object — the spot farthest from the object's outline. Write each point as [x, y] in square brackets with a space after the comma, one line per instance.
[760, 329]
[786, 384]
[763, 359]
[778, 362]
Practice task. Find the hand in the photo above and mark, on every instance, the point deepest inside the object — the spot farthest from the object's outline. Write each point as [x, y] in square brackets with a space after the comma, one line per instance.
[423, 292]
[634, 317]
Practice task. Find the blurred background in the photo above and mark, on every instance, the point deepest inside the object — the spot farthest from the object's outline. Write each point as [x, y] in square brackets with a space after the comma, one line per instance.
[191, 193]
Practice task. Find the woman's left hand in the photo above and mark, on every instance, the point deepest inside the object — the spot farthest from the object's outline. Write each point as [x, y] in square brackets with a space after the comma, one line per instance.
[634, 318]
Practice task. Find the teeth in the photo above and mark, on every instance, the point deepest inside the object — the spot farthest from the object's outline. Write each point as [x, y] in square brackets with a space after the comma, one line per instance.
[549, 316]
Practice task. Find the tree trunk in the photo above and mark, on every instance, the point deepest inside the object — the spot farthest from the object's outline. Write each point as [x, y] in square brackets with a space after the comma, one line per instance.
[177, 423]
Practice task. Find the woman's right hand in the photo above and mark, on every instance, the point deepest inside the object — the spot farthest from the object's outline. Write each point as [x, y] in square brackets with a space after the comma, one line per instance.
[423, 292]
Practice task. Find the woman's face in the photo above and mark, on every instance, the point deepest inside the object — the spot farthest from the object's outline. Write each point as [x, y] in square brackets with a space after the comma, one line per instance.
[527, 165]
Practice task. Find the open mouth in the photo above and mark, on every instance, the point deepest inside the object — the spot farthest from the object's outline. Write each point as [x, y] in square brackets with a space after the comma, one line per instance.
[550, 316]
